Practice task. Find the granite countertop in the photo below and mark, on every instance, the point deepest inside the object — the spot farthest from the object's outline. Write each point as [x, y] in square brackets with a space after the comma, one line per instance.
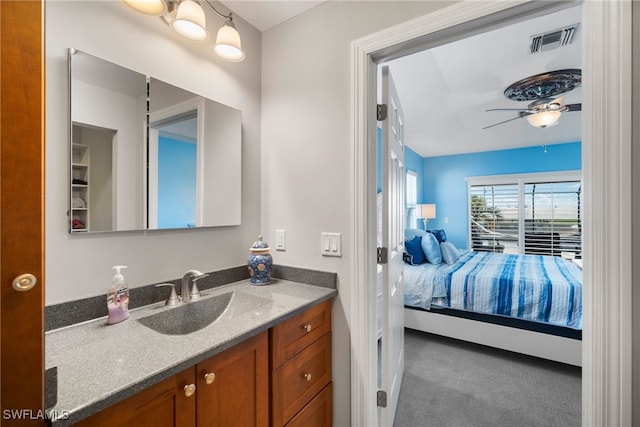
[99, 364]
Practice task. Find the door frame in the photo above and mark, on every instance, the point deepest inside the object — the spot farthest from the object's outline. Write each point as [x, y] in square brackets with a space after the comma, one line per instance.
[606, 158]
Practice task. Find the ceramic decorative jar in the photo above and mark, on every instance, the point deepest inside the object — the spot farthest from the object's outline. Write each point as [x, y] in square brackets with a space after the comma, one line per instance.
[260, 263]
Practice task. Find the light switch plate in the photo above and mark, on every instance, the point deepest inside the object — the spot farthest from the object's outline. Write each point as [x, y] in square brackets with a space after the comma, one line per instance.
[331, 244]
[281, 240]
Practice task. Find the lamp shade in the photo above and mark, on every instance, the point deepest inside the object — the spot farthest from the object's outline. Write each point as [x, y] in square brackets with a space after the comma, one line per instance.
[228, 44]
[190, 21]
[150, 7]
[428, 211]
[544, 119]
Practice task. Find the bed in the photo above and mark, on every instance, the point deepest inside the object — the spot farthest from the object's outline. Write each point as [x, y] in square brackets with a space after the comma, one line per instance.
[530, 304]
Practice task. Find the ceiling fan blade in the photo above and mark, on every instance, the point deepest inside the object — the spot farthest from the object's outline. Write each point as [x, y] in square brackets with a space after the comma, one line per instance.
[574, 107]
[506, 109]
[505, 121]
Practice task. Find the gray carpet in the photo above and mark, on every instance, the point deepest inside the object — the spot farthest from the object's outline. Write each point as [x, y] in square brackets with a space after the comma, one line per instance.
[449, 383]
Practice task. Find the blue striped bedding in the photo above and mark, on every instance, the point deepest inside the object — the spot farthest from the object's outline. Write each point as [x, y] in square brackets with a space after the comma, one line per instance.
[531, 287]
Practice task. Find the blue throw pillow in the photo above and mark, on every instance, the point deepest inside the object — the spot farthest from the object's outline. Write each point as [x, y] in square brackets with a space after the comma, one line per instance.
[414, 249]
[410, 233]
[440, 235]
[449, 252]
[431, 248]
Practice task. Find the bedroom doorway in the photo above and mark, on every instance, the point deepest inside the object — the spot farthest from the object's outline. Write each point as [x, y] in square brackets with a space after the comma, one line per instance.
[604, 169]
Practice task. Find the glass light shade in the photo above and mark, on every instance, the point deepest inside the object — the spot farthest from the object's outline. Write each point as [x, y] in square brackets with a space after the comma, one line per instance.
[544, 119]
[150, 7]
[228, 45]
[190, 21]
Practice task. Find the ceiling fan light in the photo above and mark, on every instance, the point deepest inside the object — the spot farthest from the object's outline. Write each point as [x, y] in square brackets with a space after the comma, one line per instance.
[544, 119]
[150, 7]
[228, 44]
[190, 21]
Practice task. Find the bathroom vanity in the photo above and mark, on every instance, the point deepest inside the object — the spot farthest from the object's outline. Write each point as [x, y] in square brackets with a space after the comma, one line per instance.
[265, 361]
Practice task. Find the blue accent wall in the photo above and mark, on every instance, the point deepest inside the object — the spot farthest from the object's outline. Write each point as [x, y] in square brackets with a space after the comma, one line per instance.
[444, 178]
[176, 183]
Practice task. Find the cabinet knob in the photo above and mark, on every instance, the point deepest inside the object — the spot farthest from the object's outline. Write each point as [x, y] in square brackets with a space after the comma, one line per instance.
[189, 390]
[209, 378]
[307, 327]
[307, 376]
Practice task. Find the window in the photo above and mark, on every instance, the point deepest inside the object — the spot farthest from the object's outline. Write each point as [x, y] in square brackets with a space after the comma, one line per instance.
[412, 199]
[532, 214]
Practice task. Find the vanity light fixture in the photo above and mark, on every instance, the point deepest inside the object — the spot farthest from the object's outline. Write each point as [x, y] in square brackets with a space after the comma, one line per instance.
[228, 43]
[187, 18]
[190, 21]
[150, 7]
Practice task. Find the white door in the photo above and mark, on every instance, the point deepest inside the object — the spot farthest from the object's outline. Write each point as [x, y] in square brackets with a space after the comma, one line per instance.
[392, 217]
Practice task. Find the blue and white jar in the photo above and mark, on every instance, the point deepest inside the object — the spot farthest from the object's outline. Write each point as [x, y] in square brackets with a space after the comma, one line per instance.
[260, 263]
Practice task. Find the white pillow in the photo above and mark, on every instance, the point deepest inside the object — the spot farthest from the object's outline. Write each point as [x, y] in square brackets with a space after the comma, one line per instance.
[449, 252]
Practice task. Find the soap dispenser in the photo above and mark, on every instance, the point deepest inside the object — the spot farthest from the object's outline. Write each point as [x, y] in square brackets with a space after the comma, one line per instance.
[118, 297]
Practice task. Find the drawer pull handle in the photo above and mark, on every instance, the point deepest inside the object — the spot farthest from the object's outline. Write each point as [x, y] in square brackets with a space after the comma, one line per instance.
[307, 327]
[189, 390]
[307, 376]
[209, 378]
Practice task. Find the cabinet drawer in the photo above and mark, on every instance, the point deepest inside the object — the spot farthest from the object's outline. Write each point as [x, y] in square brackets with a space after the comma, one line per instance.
[297, 381]
[294, 335]
[317, 413]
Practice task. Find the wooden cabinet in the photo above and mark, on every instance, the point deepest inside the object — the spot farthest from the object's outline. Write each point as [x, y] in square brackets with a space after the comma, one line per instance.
[165, 404]
[301, 392]
[229, 389]
[232, 388]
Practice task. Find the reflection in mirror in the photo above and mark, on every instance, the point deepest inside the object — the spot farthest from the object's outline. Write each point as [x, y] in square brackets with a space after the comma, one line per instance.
[187, 175]
[108, 126]
[194, 160]
[172, 184]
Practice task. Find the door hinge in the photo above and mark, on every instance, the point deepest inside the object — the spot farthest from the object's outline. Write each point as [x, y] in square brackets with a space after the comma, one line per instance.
[382, 398]
[381, 256]
[381, 112]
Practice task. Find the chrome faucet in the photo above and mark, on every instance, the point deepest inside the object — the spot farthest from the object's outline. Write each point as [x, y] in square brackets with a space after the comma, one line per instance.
[192, 294]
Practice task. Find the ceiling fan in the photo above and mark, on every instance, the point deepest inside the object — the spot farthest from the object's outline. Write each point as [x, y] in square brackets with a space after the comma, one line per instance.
[544, 110]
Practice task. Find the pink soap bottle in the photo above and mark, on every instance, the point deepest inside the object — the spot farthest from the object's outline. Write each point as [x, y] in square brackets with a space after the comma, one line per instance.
[118, 298]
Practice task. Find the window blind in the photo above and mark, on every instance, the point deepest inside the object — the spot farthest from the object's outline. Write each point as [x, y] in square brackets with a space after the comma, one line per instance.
[494, 217]
[532, 216]
[552, 218]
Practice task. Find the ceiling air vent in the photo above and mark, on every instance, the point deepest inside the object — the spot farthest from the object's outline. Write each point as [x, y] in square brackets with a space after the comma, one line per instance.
[553, 39]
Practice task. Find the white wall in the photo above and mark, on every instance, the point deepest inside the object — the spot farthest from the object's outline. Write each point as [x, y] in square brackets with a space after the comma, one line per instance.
[80, 266]
[307, 169]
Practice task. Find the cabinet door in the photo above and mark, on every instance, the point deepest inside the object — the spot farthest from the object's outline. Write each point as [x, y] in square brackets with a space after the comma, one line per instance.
[162, 405]
[233, 386]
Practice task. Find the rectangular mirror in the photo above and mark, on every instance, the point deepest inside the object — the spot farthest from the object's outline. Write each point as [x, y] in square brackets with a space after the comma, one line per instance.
[194, 159]
[148, 155]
